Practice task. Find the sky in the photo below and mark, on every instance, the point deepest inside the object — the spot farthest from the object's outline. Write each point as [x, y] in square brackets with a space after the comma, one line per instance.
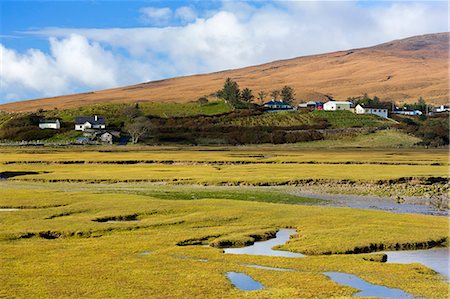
[50, 48]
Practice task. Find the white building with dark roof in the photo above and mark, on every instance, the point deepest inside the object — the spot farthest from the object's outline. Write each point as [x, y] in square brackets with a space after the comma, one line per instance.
[87, 122]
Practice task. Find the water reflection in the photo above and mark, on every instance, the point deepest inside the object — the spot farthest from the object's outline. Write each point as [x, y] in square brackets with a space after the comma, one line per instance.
[243, 281]
[434, 258]
[265, 247]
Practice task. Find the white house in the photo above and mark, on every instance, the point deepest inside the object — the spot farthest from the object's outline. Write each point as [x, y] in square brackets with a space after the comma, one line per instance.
[359, 109]
[335, 105]
[50, 124]
[82, 123]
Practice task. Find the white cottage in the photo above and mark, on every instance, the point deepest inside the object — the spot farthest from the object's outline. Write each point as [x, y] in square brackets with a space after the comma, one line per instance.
[83, 123]
[54, 124]
[383, 112]
[335, 106]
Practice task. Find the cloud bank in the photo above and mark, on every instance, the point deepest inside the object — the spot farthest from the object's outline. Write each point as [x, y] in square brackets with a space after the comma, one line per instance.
[237, 34]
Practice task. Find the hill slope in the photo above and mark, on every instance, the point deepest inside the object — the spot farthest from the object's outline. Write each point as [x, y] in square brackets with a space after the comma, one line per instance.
[401, 70]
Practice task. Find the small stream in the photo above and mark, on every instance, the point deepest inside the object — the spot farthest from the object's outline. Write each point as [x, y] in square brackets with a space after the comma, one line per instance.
[8, 209]
[265, 247]
[367, 289]
[435, 258]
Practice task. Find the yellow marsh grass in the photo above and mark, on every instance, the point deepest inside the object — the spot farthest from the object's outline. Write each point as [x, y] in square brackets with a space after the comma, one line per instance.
[212, 174]
[111, 266]
[279, 154]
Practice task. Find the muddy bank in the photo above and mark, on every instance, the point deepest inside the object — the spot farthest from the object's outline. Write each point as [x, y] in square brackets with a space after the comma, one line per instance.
[408, 205]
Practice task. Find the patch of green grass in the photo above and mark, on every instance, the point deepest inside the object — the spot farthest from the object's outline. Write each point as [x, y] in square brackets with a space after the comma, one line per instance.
[114, 113]
[348, 119]
[186, 193]
[278, 119]
[66, 136]
[380, 139]
[188, 109]
[4, 117]
[336, 119]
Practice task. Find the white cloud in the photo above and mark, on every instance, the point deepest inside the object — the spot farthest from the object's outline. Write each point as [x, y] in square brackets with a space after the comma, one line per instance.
[73, 64]
[155, 15]
[186, 13]
[237, 35]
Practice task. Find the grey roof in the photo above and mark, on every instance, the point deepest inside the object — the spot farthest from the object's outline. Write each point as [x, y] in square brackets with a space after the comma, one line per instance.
[48, 121]
[373, 106]
[91, 119]
[273, 102]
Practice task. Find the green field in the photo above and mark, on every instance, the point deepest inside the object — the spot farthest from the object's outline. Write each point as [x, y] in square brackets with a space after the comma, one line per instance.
[113, 111]
[337, 119]
[58, 244]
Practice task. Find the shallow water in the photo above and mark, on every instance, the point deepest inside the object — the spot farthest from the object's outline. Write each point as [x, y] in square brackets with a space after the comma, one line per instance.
[243, 281]
[265, 247]
[8, 209]
[373, 203]
[434, 258]
[367, 289]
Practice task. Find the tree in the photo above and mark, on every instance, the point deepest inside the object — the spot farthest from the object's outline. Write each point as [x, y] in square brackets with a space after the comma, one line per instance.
[376, 100]
[139, 128]
[275, 94]
[246, 95]
[261, 96]
[230, 92]
[287, 94]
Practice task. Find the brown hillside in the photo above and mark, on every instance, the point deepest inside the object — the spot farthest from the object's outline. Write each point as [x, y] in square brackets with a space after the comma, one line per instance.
[401, 70]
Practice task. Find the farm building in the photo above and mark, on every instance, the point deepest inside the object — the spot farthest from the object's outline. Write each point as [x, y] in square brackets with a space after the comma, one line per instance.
[360, 109]
[311, 105]
[54, 124]
[441, 109]
[335, 105]
[82, 123]
[408, 112]
[106, 138]
[277, 106]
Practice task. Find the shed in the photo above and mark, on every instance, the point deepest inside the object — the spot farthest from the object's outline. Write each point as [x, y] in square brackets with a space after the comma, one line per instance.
[335, 105]
[106, 138]
[50, 124]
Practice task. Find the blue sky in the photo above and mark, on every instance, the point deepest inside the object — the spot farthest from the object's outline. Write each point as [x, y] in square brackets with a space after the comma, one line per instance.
[50, 48]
